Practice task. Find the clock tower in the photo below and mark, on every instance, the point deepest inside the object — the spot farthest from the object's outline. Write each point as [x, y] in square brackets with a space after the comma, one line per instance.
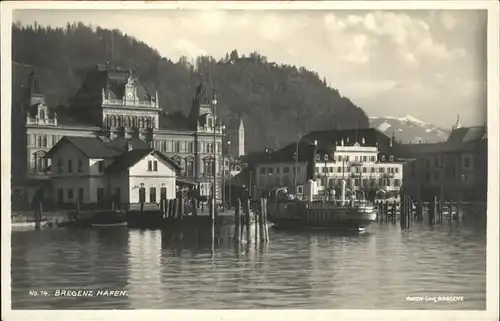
[130, 91]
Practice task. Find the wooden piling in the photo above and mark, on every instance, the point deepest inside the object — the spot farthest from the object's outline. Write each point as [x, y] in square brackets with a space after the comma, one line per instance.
[402, 210]
[432, 211]
[194, 206]
[246, 210]
[237, 222]
[441, 211]
[38, 215]
[394, 212]
[459, 211]
[266, 228]
[261, 219]
[450, 211]
[77, 214]
[181, 208]
[257, 230]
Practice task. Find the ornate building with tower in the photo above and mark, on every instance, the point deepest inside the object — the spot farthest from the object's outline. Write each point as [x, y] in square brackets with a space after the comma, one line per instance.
[111, 104]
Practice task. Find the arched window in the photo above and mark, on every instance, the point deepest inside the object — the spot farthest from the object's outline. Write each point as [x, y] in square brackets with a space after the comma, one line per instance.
[42, 113]
[209, 122]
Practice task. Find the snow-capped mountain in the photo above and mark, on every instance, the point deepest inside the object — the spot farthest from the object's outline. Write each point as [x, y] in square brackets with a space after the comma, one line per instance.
[409, 129]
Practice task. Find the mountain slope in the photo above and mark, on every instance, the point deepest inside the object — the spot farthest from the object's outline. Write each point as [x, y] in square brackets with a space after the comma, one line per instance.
[409, 129]
[270, 97]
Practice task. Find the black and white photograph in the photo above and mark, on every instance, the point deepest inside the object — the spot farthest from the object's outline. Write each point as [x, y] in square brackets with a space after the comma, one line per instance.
[250, 160]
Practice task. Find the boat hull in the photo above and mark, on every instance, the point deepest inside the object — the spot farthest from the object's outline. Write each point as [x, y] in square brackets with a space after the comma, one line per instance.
[319, 216]
[117, 224]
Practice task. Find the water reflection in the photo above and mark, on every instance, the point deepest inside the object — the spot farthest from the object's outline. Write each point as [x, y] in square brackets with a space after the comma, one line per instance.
[189, 270]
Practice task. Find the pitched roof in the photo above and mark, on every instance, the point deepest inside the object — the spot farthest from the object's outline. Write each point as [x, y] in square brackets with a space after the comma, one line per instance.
[132, 157]
[175, 121]
[92, 147]
[466, 134]
[113, 81]
[123, 144]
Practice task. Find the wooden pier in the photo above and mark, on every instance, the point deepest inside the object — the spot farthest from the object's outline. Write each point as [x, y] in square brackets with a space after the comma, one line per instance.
[436, 212]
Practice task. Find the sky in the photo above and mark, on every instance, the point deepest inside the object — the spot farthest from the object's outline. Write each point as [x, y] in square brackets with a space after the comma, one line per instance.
[427, 64]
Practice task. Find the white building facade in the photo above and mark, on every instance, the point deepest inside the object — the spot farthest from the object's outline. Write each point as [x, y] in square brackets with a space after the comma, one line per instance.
[91, 171]
[362, 167]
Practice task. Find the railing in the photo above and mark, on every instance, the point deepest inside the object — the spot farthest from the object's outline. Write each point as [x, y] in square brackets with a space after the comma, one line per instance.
[388, 175]
[124, 102]
[356, 163]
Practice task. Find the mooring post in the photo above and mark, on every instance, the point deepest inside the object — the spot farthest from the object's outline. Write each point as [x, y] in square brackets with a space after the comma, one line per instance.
[266, 228]
[247, 221]
[402, 210]
[193, 205]
[261, 219]
[459, 210]
[38, 215]
[441, 211]
[256, 229]
[450, 211]
[77, 214]
[181, 208]
[237, 221]
[394, 212]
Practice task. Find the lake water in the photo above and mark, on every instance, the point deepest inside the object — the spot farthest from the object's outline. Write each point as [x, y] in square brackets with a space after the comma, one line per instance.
[376, 270]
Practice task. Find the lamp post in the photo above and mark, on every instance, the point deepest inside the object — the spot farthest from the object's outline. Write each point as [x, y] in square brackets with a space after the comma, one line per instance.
[229, 173]
[214, 111]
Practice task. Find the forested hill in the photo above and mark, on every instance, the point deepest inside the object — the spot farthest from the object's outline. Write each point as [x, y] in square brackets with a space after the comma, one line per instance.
[269, 96]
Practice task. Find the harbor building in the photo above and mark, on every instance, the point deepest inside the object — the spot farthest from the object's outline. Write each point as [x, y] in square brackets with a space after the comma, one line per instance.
[100, 171]
[365, 158]
[111, 103]
[456, 168]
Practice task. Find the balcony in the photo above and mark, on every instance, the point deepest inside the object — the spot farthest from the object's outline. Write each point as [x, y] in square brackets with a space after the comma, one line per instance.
[388, 175]
[356, 163]
[355, 175]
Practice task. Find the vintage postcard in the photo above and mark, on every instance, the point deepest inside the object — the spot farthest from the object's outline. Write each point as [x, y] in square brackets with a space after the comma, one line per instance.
[250, 160]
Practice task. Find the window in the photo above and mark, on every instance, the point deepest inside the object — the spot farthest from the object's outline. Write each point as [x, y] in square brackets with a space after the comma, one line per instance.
[155, 166]
[100, 195]
[325, 170]
[331, 169]
[397, 182]
[80, 194]
[189, 168]
[59, 166]
[190, 148]
[364, 169]
[381, 170]
[80, 166]
[396, 169]
[372, 158]
[70, 194]
[118, 197]
[372, 170]
[262, 170]
[101, 166]
[364, 158]
[270, 170]
[466, 162]
[150, 166]
[286, 170]
[177, 147]
[152, 195]
[277, 170]
[339, 169]
[60, 196]
[70, 166]
[163, 193]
